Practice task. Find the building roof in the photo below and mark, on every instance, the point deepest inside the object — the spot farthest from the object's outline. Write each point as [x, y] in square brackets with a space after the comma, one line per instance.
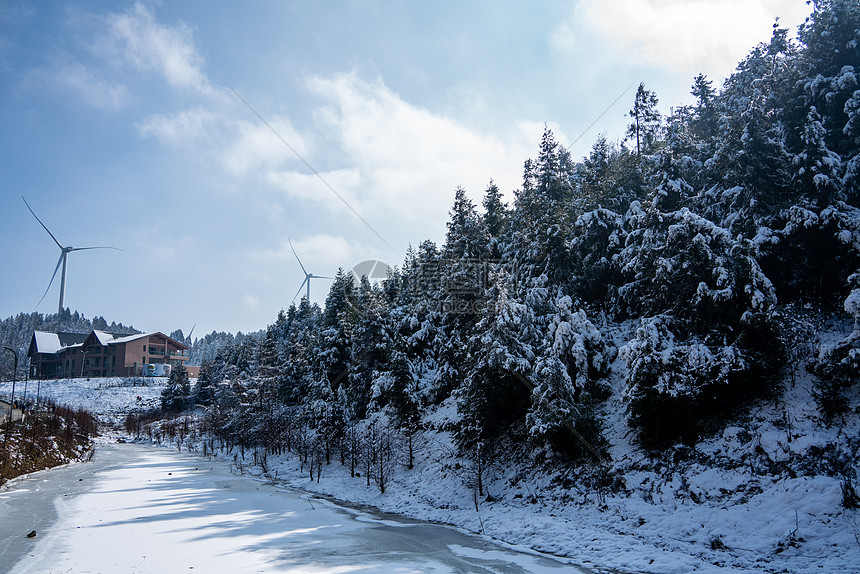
[103, 337]
[67, 339]
[46, 342]
[128, 338]
[53, 342]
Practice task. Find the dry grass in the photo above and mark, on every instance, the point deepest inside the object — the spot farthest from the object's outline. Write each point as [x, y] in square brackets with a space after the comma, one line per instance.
[49, 438]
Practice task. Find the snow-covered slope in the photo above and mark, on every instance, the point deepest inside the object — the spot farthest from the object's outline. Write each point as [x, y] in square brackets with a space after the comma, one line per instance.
[753, 498]
[108, 398]
[762, 495]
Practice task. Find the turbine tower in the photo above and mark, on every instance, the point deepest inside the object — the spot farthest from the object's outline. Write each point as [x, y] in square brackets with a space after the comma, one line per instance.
[64, 254]
[308, 277]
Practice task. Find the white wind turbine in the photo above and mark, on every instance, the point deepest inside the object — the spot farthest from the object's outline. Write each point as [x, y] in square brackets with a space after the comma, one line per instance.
[308, 277]
[64, 253]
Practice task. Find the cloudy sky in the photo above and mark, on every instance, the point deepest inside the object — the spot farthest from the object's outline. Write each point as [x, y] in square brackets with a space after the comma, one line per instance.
[123, 124]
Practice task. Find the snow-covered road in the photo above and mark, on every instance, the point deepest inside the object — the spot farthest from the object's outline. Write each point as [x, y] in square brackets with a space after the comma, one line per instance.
[138, 508]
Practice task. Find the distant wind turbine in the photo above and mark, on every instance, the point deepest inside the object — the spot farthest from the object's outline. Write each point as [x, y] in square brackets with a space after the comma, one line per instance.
[64, 253]
[308, 276]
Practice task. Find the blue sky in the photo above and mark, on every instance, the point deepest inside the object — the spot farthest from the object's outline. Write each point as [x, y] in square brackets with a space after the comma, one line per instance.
[119, 128]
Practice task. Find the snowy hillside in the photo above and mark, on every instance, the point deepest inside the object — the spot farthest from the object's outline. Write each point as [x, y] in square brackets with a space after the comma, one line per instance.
[754, 497]
[108, 398]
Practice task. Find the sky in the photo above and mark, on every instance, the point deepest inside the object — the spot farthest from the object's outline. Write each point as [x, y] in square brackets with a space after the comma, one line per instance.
[202, 137]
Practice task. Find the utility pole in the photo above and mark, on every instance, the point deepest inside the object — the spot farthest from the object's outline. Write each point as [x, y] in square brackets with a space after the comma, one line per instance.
[83, 360]
[12, 398]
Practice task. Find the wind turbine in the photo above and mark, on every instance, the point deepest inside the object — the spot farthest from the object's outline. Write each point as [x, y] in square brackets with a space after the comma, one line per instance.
[308, 276]
[64, 253]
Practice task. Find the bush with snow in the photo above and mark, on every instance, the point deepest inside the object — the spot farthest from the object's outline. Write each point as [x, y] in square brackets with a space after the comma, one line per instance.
[706, 331]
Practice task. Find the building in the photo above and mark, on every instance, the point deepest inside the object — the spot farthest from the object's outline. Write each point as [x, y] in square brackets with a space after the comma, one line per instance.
[101, 354]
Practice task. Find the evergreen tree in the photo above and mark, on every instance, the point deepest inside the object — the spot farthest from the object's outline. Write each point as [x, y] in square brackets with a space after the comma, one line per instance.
[704, 120]
[553, 169]
[598, 238]
[818, 176]
[572, 358]
[175, 396]
[495, 211]
[370, 342]
[646, 128]
[341, 313]
[203, 392]
[495, 394]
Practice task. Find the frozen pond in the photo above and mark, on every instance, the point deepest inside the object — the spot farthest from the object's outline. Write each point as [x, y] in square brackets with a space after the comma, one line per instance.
[145, 509]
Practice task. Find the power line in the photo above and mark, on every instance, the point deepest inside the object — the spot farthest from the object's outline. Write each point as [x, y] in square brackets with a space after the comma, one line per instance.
[310, 167]
[609, 107]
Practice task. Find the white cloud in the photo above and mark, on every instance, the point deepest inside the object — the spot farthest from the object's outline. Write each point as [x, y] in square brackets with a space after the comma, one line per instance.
[683, 36]
[393, 163]
[121, 39]
[251, 301]
[256, 147]
[72, 78]
[149, 45]
[180, 129]
[328, 250]
[96, 92]
[409, 160]
[308, 187]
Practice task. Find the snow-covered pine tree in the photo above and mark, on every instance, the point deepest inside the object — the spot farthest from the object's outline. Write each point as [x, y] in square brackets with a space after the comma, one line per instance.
[703, 118]
[598, 237]
[540, 224]
[828, 66]
[706, 338]
[817, 169]
[341, 313]
[461, 283]
[176, 395]
[495, 220]
[203, 392]
[572, 358]
[496, 391]
[369, 348]
[298, 356]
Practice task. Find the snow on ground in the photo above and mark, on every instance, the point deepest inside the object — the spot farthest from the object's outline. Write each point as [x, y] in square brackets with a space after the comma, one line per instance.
[108, 397]
[137, 508]
[656, 528]
[755, 498]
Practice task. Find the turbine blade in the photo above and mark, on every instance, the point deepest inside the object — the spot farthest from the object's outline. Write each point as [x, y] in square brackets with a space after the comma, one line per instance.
[191, 333]
[299, 291]
[100, 247]
[321, 277]
[42, 224]
[297, 257]
[51, 282]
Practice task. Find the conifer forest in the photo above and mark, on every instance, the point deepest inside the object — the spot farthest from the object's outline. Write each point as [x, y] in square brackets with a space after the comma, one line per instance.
[701, 254]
